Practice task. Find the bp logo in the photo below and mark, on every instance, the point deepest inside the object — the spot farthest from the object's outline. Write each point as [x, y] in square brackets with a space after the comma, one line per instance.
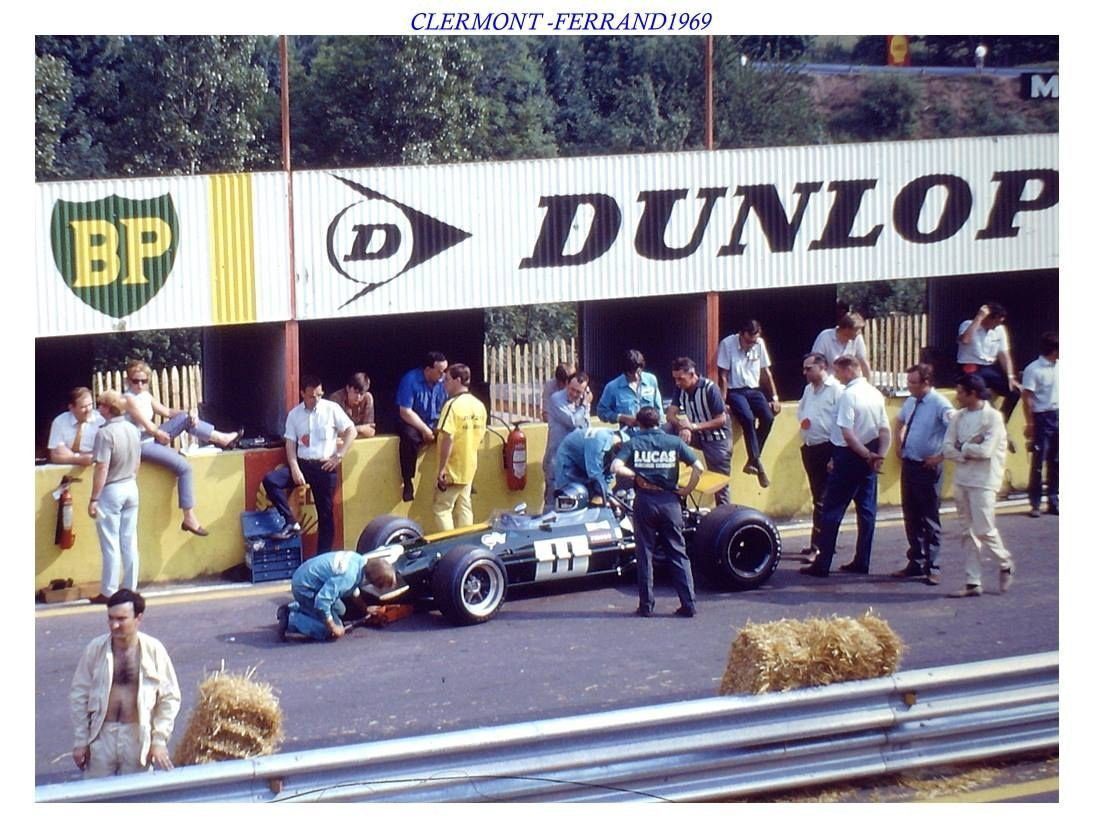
[115, 253]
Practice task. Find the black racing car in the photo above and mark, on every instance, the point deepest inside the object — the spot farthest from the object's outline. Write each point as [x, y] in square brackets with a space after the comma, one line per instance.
[466, 573]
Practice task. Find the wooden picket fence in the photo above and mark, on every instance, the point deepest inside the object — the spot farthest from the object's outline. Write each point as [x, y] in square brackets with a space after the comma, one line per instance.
[174, 387]
[516, 375]
[893, 344]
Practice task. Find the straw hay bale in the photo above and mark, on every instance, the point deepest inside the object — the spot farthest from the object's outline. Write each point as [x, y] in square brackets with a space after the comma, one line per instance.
[236, 717]
[789, 654]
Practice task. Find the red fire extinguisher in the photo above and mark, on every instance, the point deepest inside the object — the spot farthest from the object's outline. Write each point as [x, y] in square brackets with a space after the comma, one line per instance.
[64, 537]
[515, 458]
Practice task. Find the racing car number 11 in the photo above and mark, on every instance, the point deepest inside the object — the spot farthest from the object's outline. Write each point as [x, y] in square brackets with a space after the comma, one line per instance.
[557, 558]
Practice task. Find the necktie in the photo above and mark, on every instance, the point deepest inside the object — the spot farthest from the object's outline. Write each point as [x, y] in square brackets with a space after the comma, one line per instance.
[908, 427]
[79, 436]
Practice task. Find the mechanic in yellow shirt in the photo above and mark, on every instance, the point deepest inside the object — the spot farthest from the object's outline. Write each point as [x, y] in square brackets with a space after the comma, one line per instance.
[461, 428]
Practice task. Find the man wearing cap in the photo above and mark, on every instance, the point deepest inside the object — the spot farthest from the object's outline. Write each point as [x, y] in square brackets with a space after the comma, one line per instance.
[652, 459]
[72, 434]
[920, 429]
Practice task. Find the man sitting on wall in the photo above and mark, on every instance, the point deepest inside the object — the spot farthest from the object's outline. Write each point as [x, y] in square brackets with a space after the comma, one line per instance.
[72, 434]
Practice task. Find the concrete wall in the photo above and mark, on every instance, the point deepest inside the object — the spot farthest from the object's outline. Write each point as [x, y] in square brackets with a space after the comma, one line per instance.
[370, 487]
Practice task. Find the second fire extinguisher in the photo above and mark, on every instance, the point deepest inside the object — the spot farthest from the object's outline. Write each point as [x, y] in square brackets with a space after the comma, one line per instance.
[64, 537]
[516, 458]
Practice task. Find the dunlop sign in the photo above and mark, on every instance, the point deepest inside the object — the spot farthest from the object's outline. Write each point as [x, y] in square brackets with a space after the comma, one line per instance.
[375, 241]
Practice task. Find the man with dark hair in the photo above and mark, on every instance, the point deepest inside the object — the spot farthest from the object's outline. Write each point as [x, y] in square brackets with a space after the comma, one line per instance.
[1041, 405]
[419, 398]
[567, 410]
[358, 403]
[860, 440]
[652, 459]
[983, 349]
[844, 339]
[698, 416]
[460, 429]
[817, 421]
[124, 696]
[744, 367]
[624, 395]
[114, 497]
[313, 430]
[319, 587]
[72, 434]
[976, 442]
[919, 431]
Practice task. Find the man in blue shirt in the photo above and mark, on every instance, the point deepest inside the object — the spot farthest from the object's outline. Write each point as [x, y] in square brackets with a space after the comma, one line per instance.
[920, 429]
[624, 395]
[583, 458]
[420, 396]
[319, 585]
[652, 459]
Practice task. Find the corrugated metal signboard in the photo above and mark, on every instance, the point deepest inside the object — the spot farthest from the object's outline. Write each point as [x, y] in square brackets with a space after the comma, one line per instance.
[387, 240]
[161, 253]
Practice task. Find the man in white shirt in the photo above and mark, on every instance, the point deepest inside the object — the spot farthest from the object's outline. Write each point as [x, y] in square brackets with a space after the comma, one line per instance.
[983, 349]
[1041, 405]
[816, 421]
[72, 434]
[976, 442]
[744, 367]
[860, 440]
[312, 431]
[844, 339]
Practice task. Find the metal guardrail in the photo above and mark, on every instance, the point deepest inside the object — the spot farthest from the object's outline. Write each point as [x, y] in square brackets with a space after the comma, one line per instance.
[705, 749]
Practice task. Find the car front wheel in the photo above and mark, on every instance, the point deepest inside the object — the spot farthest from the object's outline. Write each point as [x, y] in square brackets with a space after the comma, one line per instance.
[469, 585]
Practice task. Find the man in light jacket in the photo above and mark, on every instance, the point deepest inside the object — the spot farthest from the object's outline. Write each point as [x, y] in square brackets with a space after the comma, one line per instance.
[124, 696]
[976, 442]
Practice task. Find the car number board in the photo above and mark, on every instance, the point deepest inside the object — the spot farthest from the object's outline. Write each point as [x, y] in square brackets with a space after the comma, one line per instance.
[557, 558]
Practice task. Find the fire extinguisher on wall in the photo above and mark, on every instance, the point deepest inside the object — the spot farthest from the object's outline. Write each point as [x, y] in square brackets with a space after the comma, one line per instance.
[64, 537]
[515, 458]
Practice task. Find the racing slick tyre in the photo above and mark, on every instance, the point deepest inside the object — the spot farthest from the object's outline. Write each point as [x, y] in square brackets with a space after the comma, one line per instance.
[387, 529]
[736, 547]
[469, 584]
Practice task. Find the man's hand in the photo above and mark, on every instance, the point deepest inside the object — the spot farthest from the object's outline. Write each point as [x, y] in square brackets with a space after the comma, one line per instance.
[81, 755]
[442, 482]
[682, 422]
[776, 406]
[297, 474]
[428, 436]
[331, 463]
[982, 312]
[336, 629]
[92, 509]
[1029, 430]
[162, 437]
[685, 435]
[932, 461]
[158, 756]
[629, 421]
[1013, 384]
[876, 461]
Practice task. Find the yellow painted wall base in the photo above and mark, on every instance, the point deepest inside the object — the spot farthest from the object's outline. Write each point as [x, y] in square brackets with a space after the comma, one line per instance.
[371, 486]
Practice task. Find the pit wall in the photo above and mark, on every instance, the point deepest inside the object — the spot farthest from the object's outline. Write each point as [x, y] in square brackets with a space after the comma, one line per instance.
[228, 483]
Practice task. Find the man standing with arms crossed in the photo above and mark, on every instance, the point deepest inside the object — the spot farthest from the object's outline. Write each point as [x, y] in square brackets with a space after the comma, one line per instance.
[461, 428]
[652, 459]
[114, 497]
[817, 421]
[698, 415]
[861, 439]
[920, 429]
[124, 695]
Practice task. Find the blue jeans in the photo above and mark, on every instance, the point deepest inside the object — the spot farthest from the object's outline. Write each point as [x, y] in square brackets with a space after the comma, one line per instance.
[1046, 452]
[750, 407]
[659, 519]
[168, 457]
[851, 479]
[305, 619]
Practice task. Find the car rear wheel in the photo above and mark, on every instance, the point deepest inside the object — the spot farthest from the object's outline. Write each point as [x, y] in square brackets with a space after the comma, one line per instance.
[387, 529]
[736, 547]
[469, 584]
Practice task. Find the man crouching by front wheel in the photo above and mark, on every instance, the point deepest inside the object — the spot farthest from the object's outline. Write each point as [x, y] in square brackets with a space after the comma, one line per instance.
[318, 588]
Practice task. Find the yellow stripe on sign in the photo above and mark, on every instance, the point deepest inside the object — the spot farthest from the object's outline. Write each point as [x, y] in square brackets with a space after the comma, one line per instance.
[231, 249]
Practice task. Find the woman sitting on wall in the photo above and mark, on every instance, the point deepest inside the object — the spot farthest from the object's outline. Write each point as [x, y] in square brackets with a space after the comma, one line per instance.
[156, 441]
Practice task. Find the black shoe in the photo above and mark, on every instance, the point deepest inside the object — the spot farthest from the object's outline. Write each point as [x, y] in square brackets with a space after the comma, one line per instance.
[282, 622]
[1035, 513]
[1054, 510]
[99, 599]
[750, 468]
[761, 475]
[853, 567]
[931, 577]
[684, 611]
[288, 531]
[908, 572]
[813, 570]
[643, 611]
[408, 493]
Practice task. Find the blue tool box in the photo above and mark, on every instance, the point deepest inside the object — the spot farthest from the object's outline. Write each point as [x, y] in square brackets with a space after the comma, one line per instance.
[268, 558]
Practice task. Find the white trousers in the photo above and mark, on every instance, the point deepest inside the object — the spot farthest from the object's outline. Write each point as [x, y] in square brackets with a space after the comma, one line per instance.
[979, 537]
[116, 750]
[117, 526]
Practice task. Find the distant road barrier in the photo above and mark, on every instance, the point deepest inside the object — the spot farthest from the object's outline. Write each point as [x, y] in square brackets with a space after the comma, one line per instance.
[705, 749]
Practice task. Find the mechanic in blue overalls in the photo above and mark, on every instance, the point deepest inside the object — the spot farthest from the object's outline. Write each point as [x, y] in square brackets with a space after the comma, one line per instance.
[652, 459]
[584, 457]
[319, 587]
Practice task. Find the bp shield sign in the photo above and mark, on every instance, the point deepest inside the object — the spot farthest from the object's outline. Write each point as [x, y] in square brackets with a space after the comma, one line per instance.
[115, 253]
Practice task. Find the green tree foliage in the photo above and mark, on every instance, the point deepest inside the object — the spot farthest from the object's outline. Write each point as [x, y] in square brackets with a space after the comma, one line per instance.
[887, 108]
[879, 299]
[529, 324]
[160, 348]
[52, 104]
[1003, 50]
[518, 116]
[777, 48]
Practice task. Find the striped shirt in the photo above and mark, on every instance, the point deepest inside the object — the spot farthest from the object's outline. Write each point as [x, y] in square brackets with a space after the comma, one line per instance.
[701, 404]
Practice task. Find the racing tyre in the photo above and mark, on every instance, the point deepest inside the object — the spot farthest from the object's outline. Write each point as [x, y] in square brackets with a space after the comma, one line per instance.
[387, 529]
[736, 547]
[469, 584]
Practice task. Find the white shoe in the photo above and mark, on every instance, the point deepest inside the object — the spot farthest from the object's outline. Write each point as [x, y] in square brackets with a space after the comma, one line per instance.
[1006, 578]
